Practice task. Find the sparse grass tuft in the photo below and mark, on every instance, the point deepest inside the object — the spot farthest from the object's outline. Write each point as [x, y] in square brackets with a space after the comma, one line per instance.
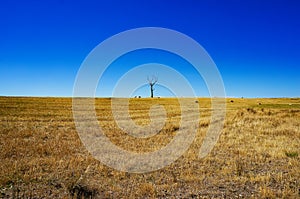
[82, 191]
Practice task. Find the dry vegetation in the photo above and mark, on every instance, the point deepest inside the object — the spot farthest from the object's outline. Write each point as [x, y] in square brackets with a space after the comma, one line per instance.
[257, 155]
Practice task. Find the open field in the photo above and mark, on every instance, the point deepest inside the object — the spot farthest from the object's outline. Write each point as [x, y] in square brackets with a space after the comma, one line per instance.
[257, 154]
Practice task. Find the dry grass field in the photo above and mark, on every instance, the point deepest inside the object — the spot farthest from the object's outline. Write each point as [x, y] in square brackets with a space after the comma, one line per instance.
[256, 156]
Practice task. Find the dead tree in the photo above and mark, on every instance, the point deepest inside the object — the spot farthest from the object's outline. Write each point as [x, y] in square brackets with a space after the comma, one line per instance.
[152, 82]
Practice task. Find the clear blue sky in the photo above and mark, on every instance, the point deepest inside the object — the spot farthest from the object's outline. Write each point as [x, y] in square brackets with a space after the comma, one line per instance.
[254, 43]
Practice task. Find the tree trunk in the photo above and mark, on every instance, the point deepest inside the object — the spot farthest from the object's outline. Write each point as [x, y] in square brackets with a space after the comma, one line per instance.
[151, 88]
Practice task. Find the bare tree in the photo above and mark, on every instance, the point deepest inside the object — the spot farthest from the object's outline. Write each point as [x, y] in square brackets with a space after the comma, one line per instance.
[152, 82]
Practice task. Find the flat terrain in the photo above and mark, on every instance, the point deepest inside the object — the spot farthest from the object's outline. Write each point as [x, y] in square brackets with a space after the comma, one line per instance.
[257, 154]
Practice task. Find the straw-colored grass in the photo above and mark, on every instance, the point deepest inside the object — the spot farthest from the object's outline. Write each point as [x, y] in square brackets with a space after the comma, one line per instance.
[257, 154]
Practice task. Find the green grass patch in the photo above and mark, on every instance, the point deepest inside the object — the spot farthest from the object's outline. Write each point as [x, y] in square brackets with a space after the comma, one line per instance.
[279, 106]
[291, 154]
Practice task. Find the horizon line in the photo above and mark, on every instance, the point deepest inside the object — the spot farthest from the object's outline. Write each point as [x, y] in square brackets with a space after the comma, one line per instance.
[158, 97]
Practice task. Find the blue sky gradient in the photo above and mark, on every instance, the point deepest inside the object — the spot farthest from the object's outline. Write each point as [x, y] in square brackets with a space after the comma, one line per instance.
[255, 44]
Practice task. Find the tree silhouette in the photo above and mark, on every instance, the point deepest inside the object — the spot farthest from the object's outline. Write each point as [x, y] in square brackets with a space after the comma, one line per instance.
[152, 82]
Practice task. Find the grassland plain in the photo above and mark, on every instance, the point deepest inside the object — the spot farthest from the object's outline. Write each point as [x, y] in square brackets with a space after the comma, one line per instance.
[257, 154]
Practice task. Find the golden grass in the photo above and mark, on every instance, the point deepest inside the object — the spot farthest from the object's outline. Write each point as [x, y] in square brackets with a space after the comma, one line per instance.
[257, 155]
